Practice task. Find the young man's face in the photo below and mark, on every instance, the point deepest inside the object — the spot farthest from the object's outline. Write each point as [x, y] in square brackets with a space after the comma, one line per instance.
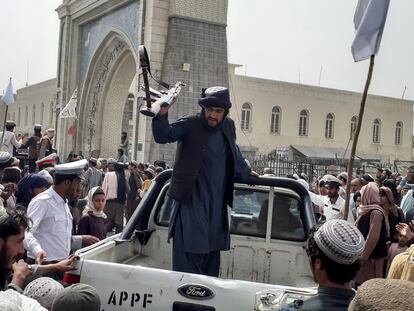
[214, 115]
[332, 191]
[355, 185]
[73, 189]
[11, 248]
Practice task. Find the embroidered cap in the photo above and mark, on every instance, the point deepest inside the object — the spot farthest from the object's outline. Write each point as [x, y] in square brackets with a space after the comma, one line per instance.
[44, 290]
[340, 241]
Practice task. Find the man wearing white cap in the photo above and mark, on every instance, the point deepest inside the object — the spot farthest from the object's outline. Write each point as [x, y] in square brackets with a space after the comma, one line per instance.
[333, 204]
[333, 250]
[9, 138]
[51, 232]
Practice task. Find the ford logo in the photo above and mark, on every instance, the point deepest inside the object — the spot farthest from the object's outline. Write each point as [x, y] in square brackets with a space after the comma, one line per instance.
[195, 291]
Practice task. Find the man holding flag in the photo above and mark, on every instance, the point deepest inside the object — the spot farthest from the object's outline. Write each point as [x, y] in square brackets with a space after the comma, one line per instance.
[8, 139]
[369, 22]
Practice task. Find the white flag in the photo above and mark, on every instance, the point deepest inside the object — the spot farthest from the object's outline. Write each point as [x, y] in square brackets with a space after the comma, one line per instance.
[70, 109]
[8, 97]
[369, 21]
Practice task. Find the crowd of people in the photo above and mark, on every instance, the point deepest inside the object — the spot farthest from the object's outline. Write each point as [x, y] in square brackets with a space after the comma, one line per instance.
[48, 210]
[371, 245]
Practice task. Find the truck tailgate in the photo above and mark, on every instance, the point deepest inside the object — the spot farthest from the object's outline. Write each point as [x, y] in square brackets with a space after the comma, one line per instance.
[125, 287]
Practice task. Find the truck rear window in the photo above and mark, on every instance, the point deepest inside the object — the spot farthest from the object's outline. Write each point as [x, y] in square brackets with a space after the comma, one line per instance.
[249, 214]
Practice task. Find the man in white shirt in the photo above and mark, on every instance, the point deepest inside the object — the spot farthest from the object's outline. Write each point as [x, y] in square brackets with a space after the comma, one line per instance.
[51, 233]
[356, 185]
[332, 203]
[9, 138]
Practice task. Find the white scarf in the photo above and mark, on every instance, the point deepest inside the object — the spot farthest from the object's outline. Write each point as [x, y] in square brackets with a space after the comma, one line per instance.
[90, 207]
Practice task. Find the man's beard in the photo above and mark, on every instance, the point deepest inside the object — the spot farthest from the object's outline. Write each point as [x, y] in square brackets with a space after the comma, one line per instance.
[5, 261]
[332, 196]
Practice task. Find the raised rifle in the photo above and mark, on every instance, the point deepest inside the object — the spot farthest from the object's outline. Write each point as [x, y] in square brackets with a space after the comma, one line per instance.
[155, 99]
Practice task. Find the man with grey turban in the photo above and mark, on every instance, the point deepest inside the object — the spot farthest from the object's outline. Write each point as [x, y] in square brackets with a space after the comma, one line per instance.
[334, 250]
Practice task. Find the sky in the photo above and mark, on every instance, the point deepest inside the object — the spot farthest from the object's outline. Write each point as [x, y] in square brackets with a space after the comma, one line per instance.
[290, 40]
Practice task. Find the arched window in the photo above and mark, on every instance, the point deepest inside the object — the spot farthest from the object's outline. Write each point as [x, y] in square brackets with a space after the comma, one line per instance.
[303, 123]
[398, 133]
[376, 131]
[353, 127]
[51, 114]
[19, 113]
[34, 114]
[329, 125]
[275, 121]
[130, 106]
[42, 112]
[246, 117]
[26, 115]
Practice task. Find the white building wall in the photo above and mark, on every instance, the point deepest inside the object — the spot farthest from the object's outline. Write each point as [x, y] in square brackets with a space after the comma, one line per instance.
[292, 98]
[263, 95]
[32, 97]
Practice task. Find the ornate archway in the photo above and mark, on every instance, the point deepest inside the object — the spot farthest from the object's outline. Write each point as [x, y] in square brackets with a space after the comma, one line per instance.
[97, 45]
[102, 101]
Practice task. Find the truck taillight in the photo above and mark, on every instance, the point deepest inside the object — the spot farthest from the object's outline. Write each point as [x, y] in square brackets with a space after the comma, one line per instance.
[70, 278]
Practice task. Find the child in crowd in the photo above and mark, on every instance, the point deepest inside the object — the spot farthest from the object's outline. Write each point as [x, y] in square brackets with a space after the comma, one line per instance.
[396, 248]
[147, 176]
[93, 219]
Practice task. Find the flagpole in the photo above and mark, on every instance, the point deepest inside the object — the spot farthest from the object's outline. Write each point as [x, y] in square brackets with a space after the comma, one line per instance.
[7, 109]
[355, 138]
[4, 125]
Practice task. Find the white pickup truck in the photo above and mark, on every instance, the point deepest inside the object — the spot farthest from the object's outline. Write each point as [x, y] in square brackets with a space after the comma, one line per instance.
[265, 269]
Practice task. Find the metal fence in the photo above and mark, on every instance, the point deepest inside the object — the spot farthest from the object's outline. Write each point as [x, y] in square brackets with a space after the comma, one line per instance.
[282, 166]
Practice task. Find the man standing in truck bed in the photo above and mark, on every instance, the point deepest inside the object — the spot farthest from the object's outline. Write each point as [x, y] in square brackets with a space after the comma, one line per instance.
[207, 160]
